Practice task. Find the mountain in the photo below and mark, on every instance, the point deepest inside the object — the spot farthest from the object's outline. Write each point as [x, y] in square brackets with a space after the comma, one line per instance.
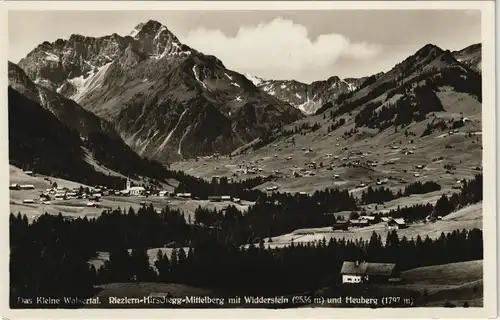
[471, 56]
[39, 141]
[166, 100]
[308, 98]
[409, 91]
[101, 146]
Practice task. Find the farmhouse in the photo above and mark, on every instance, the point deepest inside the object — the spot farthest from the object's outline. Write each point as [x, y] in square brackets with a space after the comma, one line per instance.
[340, 225]
[362, 272]
[27, 187]
[14, 187]
[359, 223]
[371, 219]
[398, 223]
[184, 195]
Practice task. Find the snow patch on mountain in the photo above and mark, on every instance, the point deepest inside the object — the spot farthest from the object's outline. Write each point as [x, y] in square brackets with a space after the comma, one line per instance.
[197, 77]
[85, 84]
[167, 139]
[51, 57]
[255, 80]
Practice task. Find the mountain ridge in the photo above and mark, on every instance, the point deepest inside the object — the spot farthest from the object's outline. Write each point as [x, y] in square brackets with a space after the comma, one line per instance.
[117, 77]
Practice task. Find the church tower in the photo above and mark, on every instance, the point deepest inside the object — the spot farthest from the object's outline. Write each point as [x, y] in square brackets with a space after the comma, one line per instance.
[128, 184]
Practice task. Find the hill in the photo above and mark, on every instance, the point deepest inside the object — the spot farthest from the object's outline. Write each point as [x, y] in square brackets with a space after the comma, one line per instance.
[193, 106]
[471, 56]
[425, 112]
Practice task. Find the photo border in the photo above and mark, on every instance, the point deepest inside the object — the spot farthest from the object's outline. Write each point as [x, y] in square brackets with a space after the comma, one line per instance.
[489, 160]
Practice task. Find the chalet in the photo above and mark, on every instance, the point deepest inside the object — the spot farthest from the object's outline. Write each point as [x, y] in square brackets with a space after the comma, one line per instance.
[163, 193]
[215, 198]
[273, 188]
[14, 187]
[184, 195]
[398, 223]
[60, 196]
[27, 187]
[92, 204]
[363, 272]
[359, 223]
[371, 219]
[340, 225]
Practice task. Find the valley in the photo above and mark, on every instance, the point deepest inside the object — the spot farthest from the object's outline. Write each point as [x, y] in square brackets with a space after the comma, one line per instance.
[146, 166]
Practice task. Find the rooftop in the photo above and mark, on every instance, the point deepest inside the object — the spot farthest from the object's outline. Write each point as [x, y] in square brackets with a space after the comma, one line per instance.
[367, 268]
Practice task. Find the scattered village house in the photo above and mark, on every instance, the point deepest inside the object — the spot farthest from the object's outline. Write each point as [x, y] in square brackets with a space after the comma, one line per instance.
[398, 223]
[363, 272]
[340, 225]
[371, 219]
[359, 223]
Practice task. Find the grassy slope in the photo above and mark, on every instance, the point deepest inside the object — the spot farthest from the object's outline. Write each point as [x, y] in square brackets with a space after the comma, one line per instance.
[465, 155]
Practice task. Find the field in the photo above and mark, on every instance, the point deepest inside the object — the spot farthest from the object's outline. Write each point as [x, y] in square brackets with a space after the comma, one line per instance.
[78, 207]
[466, 218]
[433, 286]
[403, 152]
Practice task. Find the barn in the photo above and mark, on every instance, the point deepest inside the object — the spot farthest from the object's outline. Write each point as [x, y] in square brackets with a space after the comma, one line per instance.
[398, 223]
[340, 225]
[371, 272]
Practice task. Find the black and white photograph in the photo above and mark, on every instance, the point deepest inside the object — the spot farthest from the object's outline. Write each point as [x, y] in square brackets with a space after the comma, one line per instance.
[212, 158]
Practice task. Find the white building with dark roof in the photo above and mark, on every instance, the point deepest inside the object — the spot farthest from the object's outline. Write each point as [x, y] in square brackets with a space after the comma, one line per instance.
[362, 272]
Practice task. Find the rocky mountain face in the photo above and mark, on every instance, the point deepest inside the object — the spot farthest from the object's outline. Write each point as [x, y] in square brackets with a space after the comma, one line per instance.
[165, 99]
[97, 143]
[308, 98]
[470, 56]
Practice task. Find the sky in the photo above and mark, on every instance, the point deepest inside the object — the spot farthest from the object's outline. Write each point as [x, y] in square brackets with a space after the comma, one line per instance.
[302, 45]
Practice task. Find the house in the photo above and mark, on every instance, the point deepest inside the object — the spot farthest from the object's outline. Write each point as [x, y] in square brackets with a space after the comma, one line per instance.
[15, 186]
[398, 223]
[225, 198]
[273, 188]
[371, 219]
[236, 200]
[385, 219]
[340, 225]
[184, 195]
[29, 173]
[163, 193]
[28, 201]
[27, 187]
[359, 223]
[362, 272]
[215, 198]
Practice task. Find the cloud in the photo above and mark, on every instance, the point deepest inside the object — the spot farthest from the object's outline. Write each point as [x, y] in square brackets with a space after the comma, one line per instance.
[278, 45]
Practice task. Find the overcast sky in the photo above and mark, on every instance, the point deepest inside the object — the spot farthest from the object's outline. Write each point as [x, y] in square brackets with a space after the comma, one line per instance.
[301, 45]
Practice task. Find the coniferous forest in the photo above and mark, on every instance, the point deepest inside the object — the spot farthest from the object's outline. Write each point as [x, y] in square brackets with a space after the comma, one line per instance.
[225, 250]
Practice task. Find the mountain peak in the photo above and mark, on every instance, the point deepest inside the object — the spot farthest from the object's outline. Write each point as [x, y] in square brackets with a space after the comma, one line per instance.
[149, 27]
[428, 50]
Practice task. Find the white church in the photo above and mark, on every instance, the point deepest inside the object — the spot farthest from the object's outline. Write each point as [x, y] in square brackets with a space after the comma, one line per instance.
[133, 191]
